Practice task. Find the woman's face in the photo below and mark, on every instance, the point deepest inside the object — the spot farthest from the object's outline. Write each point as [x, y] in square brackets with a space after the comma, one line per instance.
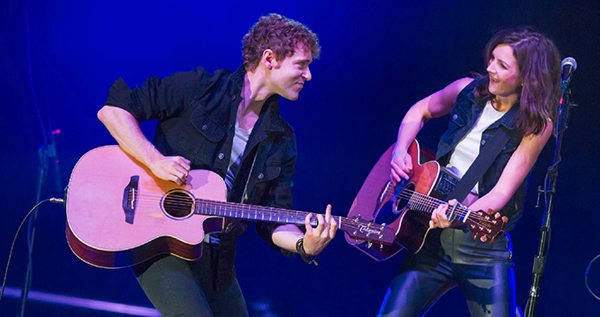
[503, 69]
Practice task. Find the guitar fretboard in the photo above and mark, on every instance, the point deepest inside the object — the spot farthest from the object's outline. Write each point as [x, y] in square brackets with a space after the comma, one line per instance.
[355, 227]
[428, 204]
[250, 212]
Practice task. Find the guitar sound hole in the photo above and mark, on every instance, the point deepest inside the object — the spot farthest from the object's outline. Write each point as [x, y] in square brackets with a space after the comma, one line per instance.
[178, 204]
[397, 202]
[402, 195]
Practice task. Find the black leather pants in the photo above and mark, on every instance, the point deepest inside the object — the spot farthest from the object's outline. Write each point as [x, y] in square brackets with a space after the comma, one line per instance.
[426, 276]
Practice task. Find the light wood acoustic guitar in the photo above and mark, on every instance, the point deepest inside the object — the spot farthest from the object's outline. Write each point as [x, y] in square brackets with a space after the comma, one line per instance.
[119, 215]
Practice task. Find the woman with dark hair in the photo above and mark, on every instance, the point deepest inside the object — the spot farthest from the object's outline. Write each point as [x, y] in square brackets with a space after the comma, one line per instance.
[518, 96]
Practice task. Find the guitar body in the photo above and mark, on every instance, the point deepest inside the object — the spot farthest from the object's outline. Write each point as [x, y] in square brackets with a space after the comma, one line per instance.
[379, 202]
[100, 232]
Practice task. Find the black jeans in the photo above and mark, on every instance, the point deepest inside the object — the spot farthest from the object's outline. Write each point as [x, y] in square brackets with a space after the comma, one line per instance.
[181, 288]
[426, 276]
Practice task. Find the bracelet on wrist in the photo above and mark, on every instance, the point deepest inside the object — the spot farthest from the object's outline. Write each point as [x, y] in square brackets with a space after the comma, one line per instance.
[310, 259]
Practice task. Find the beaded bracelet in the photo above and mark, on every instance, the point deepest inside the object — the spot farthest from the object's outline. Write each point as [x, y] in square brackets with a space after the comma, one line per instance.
[305, 257]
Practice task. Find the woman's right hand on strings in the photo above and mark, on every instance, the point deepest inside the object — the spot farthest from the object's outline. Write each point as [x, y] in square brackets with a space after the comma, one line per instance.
[401, 165]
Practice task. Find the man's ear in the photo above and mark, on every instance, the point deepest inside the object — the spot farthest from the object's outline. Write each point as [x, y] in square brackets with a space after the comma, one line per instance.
[268, 58]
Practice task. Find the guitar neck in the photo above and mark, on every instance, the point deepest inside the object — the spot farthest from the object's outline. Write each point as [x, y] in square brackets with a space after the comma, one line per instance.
[354, 227]
[428, 204]
[251, 212]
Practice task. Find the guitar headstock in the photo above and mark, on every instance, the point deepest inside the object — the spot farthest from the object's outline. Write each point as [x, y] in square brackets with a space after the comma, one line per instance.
[361, 229]
[486, 226]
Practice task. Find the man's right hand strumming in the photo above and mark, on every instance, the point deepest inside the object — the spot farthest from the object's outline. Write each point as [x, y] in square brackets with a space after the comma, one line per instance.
[171, 168]
[123, 126]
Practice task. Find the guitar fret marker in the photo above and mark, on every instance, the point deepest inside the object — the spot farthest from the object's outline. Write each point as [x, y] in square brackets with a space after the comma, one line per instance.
[451, 215]
[467, 215]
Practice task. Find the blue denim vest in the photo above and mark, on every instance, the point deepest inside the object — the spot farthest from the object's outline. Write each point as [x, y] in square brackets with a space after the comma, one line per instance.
[459, 244]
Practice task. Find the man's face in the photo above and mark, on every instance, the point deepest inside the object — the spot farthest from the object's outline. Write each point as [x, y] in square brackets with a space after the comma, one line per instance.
[289, 75]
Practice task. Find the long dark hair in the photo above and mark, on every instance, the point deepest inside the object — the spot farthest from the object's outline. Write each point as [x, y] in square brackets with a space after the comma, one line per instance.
[539, 66]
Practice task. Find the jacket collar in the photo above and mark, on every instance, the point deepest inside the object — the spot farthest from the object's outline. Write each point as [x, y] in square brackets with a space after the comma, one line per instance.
[269, 119]
[508, 120]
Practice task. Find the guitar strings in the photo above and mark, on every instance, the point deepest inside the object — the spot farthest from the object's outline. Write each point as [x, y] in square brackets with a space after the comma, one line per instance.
[419, 198]
[421, 202]
[432, 202]
[182, 204]
[415, 197]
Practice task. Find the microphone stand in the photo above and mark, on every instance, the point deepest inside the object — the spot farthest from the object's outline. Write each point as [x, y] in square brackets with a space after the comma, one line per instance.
[47, 155]
[539, 261]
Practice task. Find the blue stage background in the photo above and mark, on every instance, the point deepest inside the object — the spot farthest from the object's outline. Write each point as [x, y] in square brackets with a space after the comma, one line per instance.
[58, 58]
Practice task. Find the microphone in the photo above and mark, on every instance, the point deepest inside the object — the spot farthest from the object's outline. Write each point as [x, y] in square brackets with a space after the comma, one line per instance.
[569, 65]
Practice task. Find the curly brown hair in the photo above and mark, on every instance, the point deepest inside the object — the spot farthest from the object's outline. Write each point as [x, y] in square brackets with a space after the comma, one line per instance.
[539, 65]
[281, 35]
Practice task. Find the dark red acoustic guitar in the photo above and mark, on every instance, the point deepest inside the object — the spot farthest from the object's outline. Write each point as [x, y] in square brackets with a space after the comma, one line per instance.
[119, 215]
[407, 207]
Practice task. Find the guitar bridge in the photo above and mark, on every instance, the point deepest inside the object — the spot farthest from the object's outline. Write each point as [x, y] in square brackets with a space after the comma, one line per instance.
[130, 194]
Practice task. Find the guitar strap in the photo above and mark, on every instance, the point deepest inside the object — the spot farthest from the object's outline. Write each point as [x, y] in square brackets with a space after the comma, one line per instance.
[482, 163]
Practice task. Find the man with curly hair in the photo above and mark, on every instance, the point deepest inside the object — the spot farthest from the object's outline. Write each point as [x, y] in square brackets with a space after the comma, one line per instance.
[227, 122]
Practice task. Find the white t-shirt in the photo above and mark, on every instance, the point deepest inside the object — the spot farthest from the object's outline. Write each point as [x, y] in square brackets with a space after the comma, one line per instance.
[468, 148]
[240, 140]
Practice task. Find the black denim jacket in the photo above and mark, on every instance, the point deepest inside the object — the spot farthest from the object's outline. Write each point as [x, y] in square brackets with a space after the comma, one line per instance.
[196, 113]
[458, 243]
